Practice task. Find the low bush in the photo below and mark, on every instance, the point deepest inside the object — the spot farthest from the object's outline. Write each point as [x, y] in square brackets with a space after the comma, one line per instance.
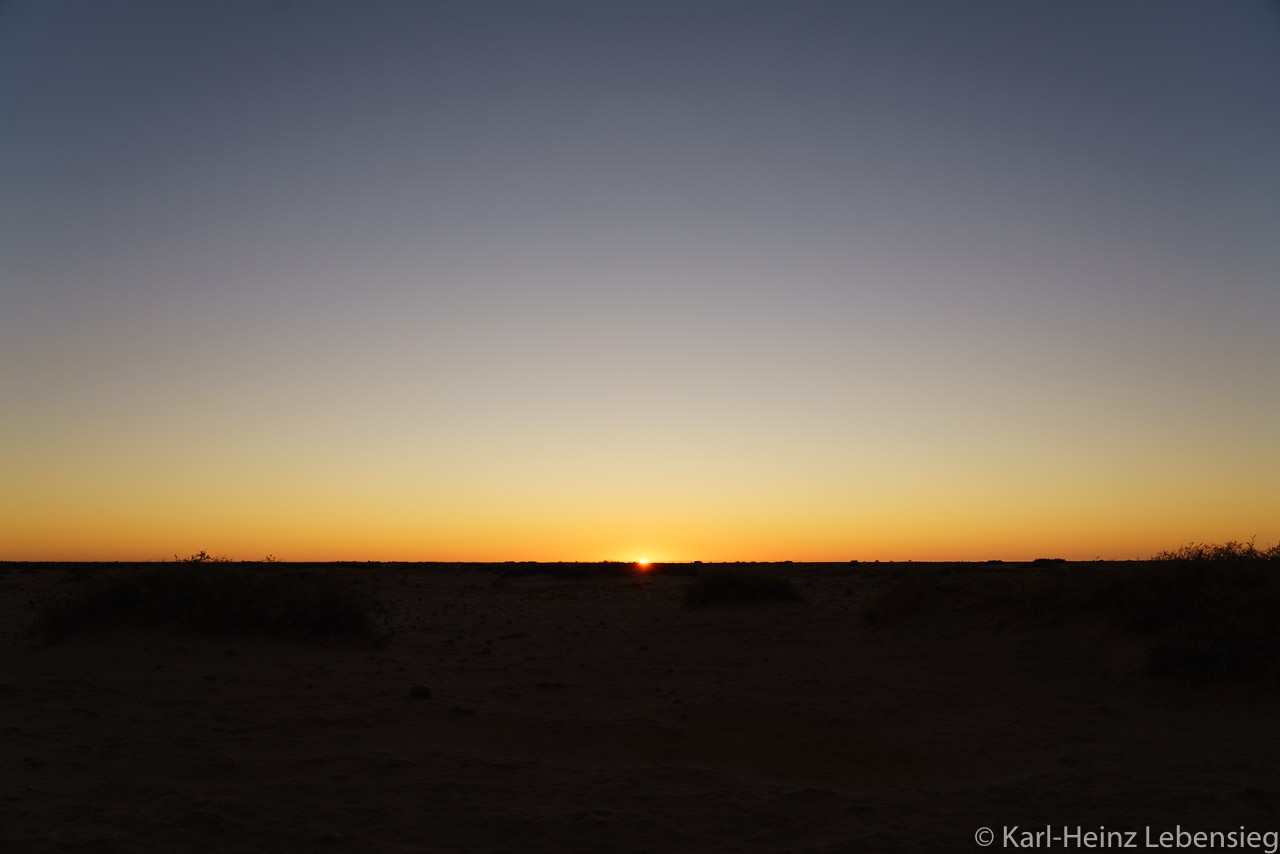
[1206, 612]
[1210, 612]
[215, 598]
[202, 556]
[1214, 610]
[739, 587]
[1231, 551]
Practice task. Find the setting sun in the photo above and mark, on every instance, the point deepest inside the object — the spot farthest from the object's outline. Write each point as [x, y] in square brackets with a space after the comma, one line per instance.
[643, 562]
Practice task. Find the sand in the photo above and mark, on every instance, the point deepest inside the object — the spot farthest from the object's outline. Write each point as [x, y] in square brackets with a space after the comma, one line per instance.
[599, 715]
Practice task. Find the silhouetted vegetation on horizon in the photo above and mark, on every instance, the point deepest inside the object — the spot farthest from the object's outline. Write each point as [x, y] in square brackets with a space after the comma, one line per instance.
[1229, 552]
[1208, 612]
[202, 556]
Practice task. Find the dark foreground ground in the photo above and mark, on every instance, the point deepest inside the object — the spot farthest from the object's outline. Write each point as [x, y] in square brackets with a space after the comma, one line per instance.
[588, 710]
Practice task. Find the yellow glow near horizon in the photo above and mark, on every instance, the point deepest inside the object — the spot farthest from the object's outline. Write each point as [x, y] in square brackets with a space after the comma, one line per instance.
[79, 508]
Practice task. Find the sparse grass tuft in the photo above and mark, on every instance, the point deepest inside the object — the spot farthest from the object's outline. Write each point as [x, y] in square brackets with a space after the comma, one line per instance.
[739, 587]
[214, 597]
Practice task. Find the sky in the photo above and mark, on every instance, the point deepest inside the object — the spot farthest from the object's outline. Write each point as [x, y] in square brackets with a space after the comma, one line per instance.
[608, 280]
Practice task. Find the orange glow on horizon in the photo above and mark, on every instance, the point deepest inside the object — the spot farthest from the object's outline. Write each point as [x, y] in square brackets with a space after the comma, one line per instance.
[82, 506]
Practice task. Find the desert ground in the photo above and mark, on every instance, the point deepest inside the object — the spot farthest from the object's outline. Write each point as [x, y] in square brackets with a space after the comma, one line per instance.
[598, 714]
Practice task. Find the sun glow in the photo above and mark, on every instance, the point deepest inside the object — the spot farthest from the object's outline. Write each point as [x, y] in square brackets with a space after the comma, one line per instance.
[643, 563]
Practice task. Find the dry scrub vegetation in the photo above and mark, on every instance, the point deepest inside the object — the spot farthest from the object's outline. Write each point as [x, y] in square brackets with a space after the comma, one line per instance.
[1207, 612]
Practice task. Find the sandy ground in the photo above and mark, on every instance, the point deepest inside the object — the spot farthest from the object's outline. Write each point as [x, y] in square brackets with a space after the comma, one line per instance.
[599, 715]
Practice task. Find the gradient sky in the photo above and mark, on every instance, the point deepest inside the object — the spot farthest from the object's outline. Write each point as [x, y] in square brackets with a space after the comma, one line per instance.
[718, 281]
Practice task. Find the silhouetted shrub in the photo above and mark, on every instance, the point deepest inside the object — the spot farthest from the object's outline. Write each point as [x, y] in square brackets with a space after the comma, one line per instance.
[1210, 612]
[215, 598]
[1229, 552]
[1206, 612]
[1216, 613]
[739, 587]
[202, 556]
